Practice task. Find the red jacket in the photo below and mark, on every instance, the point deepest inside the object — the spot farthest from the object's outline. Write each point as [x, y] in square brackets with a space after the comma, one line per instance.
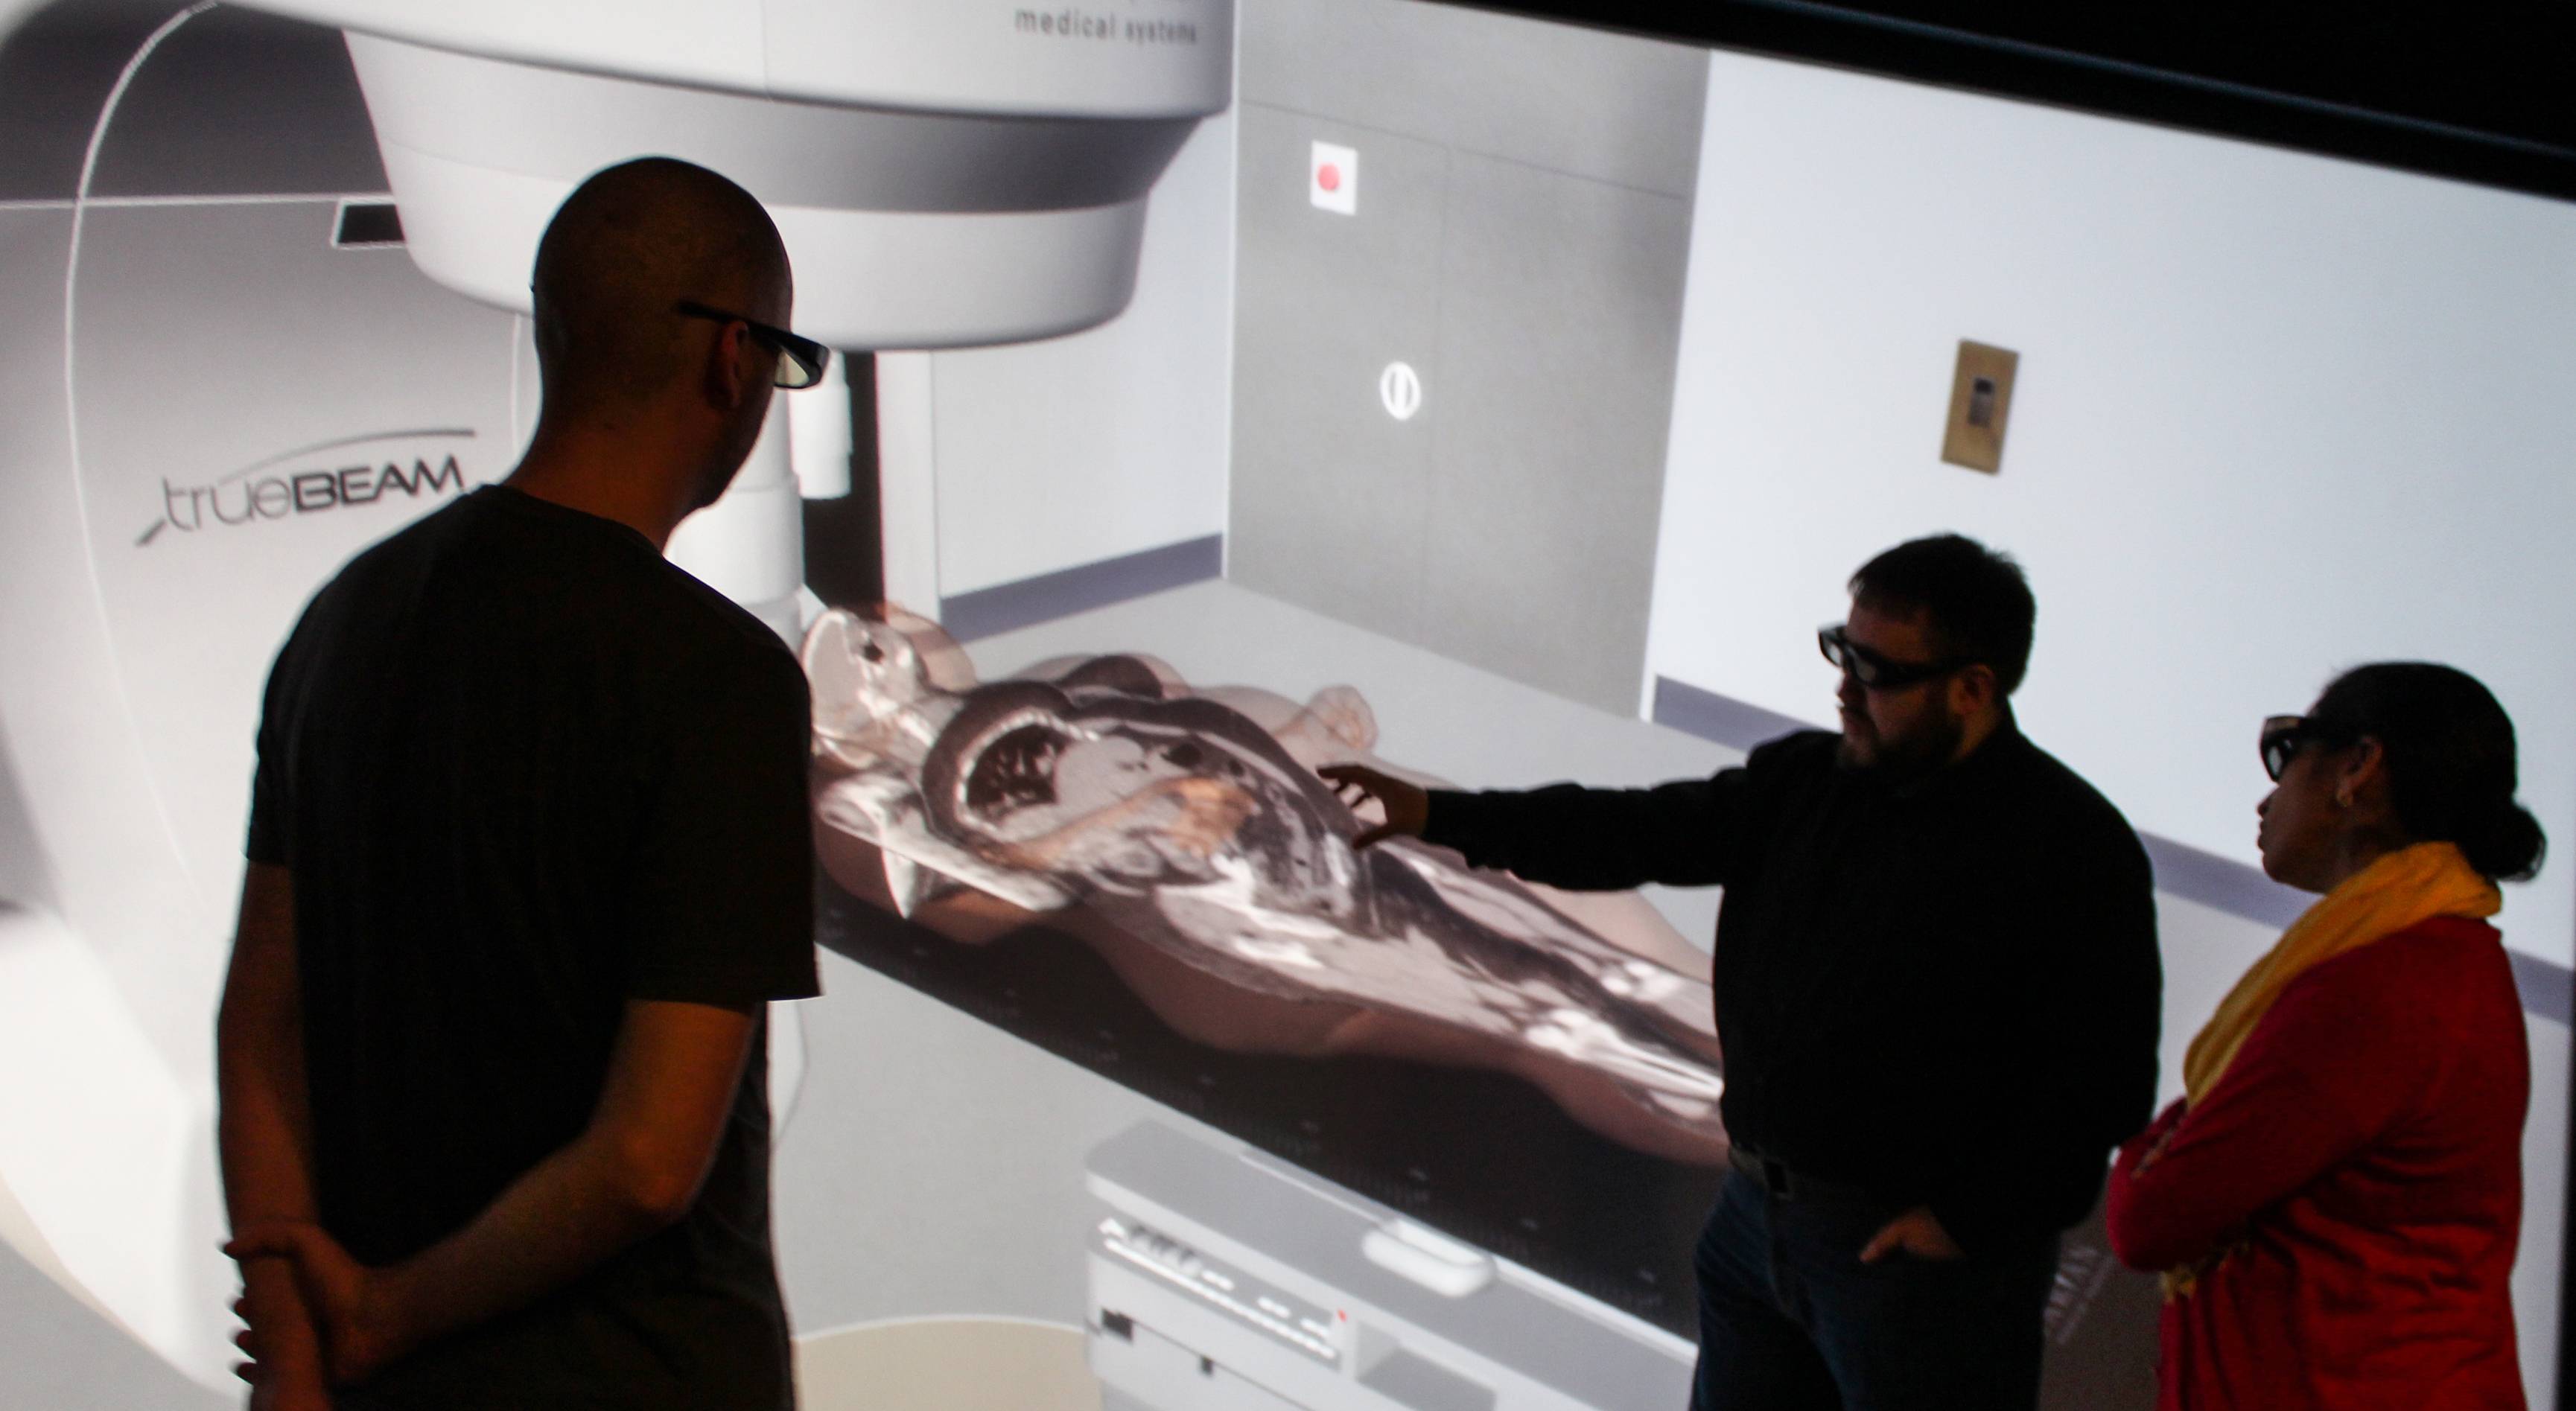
[2362, 1159]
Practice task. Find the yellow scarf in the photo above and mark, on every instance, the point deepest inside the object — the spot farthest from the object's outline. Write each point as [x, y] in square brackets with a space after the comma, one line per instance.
[2395, 892]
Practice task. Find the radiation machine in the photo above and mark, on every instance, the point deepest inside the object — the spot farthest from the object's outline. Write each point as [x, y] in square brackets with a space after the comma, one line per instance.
[215, 393]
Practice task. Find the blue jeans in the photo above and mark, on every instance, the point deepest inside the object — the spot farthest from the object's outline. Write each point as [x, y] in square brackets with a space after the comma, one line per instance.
[1791, 1319]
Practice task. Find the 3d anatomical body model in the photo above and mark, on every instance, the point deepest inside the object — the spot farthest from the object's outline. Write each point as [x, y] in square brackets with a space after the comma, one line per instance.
[1185, 836]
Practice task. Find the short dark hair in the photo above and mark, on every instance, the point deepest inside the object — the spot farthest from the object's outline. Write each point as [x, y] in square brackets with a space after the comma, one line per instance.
[2450, 754]
[628, 243]
[1978, 603]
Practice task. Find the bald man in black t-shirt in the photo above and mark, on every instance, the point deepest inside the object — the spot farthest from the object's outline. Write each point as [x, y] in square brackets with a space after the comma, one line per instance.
[528, 857]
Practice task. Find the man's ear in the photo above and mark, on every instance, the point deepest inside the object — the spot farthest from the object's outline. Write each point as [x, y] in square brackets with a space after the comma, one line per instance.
[730, 366]
[1974, 689]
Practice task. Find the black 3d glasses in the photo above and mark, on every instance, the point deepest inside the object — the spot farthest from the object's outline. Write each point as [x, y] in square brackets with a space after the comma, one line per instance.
[801, 360]
[1872, 669]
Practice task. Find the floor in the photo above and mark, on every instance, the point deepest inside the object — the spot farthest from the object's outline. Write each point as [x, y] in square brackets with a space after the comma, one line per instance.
[946, 1364]
[62, 1356]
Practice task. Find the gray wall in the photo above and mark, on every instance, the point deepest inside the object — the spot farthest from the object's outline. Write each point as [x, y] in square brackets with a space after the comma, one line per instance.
[1524, 199]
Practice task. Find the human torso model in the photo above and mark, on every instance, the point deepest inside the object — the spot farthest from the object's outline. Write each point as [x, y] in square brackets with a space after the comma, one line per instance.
[1185, 836]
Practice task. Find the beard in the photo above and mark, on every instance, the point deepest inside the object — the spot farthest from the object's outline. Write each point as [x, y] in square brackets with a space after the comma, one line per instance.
[1930, 743]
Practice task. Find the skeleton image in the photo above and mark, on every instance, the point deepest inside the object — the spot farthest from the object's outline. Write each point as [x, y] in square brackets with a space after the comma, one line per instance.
[1185, 836]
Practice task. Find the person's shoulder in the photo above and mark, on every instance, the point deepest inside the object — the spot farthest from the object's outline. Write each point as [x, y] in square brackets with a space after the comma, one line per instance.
[2060, 813]
[1798, 752]
[718, 637]
[422, 537]
[2440, 987]
[624, 584]
[354, 588]
[2068, 798]
[2456, 959]
[708, 622]
[620, 594]
[465, 532]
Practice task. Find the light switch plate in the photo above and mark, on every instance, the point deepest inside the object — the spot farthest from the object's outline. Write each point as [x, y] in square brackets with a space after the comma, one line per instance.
[1980, 399]
[1333, 178]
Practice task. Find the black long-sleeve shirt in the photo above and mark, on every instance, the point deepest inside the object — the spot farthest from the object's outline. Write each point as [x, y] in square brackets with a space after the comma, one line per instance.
[1946, 991]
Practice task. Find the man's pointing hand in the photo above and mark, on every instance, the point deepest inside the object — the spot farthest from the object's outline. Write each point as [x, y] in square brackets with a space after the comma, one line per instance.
[1406, 806]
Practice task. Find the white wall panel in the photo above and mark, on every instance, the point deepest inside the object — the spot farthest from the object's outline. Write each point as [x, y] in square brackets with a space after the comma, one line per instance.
[1065, 452]
[2276, 415]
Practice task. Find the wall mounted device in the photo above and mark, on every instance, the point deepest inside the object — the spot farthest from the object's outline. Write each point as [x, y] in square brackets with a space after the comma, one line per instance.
[1980, 399]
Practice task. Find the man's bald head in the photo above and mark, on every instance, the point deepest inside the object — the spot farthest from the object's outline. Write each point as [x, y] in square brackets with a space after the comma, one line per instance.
[629, 243]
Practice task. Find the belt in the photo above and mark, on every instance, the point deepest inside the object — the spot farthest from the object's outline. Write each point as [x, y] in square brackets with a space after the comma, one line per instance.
[1785, 1184]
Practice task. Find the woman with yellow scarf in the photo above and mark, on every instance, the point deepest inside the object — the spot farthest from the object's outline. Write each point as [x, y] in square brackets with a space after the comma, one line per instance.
[2336, 1200]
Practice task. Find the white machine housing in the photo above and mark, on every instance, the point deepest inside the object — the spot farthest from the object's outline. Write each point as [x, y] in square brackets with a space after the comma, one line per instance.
[1232, 1281]
[946, 172]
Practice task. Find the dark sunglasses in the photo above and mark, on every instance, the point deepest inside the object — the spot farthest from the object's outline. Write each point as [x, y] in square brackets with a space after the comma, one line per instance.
[2284, 735]
[800, 359]
[1869, 668]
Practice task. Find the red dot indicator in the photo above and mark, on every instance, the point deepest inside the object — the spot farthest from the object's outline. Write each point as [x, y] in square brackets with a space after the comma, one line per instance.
[1329, 177]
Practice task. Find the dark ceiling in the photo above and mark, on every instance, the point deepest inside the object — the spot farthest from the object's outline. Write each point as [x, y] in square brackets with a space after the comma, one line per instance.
[2495, 68]
[2480, 90]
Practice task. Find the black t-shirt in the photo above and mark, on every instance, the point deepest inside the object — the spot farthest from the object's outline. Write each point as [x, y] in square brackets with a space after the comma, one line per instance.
[524, 770]
[1945, 990]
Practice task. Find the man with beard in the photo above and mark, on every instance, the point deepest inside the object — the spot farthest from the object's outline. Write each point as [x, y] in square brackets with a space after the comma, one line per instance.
[1937, 991]
[528, 859]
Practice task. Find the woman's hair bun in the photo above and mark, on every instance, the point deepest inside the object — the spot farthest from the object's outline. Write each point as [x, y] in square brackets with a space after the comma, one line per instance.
[2450, 755]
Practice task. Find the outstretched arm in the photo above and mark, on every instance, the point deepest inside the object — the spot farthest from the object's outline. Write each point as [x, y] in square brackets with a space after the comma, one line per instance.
[1565, 835]
[263, 1128]
[634, 1170]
